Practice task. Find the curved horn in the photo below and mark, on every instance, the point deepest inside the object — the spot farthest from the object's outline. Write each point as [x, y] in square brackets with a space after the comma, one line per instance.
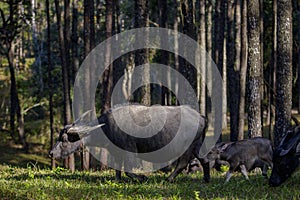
[283, 140]
[82, 116]
[83, 129]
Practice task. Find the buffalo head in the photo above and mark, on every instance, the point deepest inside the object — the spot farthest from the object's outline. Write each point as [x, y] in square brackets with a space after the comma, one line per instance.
[71, 138]
[286, 157]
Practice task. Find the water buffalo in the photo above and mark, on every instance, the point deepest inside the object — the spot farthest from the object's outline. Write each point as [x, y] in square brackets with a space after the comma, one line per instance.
[171, 120]
[286, 157]
[244, 155]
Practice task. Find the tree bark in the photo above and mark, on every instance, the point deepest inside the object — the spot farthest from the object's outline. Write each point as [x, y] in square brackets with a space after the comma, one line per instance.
[254, 73]
[142, 55]
[176, 45]
[163, 55]
[50, 82]
[273, 72]
[298, 26]
[243, 70]
[108, 73]
[262, 90]
[74, 40]
[202, 73]
[284, 70]
[219, 52]
[68, 162]
[209, 75]
[233, 73]
[15, 102]
[237, 66]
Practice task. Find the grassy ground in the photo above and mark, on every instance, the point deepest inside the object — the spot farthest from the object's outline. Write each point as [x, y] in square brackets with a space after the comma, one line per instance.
[35, 183]
[27, 176]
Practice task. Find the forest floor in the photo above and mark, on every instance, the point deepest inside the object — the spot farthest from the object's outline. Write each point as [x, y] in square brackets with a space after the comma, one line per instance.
[28, 176]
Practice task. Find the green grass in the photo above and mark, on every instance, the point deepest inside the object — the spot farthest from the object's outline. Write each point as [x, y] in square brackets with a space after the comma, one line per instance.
[35, 183]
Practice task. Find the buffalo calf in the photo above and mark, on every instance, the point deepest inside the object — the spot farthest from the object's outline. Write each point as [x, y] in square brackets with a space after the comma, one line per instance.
[244, 155]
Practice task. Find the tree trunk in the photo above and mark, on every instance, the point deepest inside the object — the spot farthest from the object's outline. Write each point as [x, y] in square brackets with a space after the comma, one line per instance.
[209, 75]
[176, 45]
[50, 83]
[237, 65]
[74, 40]
[243, 70]
[219, 53]
[284, 70]
[202, 73]
[254, 73]
[142, 55]
[163, 55]
[67, 41]
[232, 73]
[68, 162]
[108, 73]
[12, 92]
[37, 48]
[273, 71]
[262, 90]
[298, 26]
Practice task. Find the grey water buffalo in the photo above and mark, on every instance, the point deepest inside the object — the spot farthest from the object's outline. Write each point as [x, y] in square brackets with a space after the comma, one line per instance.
[286, 158]
[123, 127]
[244, 155]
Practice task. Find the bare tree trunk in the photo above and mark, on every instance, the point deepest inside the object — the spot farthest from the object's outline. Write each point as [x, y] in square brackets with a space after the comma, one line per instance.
[284, 70]
[15, 102]
[273, 72]
[37, 48]
[108, 74]
[254, 73]
[298, 26]
[237, 64]
[243, 70]
[163, 56]
[262, 90]
[219, 53]
[142, 56]
[67, 39]
[68, 162]
[209, 75]
[50, 83]
[202, 73]
[176, 45]
[74, 40]
[233, 75]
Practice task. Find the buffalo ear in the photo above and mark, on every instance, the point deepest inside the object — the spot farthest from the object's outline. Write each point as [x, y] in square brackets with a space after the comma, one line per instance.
[224, 147]
[65, 138]
[298, 150]
[288, 147]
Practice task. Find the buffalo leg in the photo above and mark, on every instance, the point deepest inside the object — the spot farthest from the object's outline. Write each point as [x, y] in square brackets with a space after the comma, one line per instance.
[206, 170]
[205, 165]
[229, 172]
[264, 170]
[244, 171]
[228, 175]
[181, 164]
[118, 175]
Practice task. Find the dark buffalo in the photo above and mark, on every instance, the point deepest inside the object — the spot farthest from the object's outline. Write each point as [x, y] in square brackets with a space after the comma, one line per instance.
[176, 117]
[244, 155]
[286, 157]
